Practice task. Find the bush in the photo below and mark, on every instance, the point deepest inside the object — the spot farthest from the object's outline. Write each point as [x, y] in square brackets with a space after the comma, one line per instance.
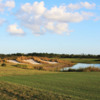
[3, 64]
[71, 70]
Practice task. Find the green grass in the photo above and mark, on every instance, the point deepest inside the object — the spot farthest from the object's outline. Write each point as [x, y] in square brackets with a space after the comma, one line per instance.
[24, 84]
[82, 60]
[9, 91]
[11, 70]
[84, 86]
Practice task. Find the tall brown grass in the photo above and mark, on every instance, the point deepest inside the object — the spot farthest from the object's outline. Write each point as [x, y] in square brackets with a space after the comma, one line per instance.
[10, 91]
[88, 69]
[37, 59]
[92, 69]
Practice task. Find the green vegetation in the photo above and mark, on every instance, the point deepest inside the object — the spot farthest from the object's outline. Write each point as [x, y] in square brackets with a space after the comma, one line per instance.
[9, 91]
[10, 70]
[45, 81]
[82, 60]
[50, 55]
[24, 84]
[44, 67]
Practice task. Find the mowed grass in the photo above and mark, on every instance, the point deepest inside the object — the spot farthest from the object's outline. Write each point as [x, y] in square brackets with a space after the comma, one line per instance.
[82, 60]
[58, 86]
[10, 91]
[11, 70]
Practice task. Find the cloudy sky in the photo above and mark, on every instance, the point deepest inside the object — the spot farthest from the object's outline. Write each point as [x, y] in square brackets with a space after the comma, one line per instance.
[53, 26]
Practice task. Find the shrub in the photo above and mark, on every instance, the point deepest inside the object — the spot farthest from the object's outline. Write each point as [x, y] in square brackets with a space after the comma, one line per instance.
[3, 64]
[71, 70]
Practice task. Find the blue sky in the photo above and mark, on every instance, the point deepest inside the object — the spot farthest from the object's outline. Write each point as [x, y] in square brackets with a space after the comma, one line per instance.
[53, 26]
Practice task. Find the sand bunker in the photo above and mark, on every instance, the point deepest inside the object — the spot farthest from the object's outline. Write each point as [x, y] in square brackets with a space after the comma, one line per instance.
[31, 61]
[14, 61]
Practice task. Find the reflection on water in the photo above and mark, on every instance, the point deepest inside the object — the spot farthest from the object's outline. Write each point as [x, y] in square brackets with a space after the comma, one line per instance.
[82, 65]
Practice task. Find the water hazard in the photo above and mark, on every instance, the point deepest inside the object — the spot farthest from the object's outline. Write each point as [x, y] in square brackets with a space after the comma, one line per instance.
[82, 65]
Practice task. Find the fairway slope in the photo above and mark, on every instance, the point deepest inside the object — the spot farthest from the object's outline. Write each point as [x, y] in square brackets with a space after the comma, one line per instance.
[80, 85]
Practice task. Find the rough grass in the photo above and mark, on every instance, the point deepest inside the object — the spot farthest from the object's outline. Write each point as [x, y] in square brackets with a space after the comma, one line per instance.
[11, 70]
[9, 91]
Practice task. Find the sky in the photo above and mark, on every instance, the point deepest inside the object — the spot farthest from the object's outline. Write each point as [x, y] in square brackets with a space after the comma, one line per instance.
[52, 26]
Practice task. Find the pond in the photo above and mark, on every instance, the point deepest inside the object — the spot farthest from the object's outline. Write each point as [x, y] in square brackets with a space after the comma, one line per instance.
[82, 65]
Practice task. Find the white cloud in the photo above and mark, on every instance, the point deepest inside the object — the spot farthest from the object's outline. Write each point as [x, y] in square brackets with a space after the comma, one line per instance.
[14, 30]
[2, 7]
[88, 5]
[37, 18]
[58, 28]
[9, 4]
[36, 7]
[74, 6]
[60, 14]
[87, 15]
[50, 26]
[31, 17]
[77, 6]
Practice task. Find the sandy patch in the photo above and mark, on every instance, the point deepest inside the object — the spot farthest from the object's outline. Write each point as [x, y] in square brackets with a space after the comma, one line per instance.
[13, 61]
[31, 61]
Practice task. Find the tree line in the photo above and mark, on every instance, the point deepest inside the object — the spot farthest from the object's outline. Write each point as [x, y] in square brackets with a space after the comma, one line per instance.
[50, 55]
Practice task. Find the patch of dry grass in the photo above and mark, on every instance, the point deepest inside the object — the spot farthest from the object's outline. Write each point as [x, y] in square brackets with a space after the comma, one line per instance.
[9, 91]
[11, 70]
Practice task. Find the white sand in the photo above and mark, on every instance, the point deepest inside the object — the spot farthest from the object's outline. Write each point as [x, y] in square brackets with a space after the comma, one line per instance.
[14, 61]
[31, 61]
